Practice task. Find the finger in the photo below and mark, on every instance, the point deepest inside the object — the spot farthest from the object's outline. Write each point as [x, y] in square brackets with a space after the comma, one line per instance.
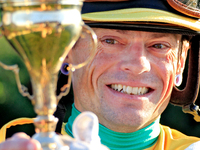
[20, 144]
[20, 135]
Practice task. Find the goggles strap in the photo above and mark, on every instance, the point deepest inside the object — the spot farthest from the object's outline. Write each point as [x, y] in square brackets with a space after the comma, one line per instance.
[187, 97]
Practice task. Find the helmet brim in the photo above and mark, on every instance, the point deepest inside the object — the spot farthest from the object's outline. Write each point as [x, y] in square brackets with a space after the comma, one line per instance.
[147, 15]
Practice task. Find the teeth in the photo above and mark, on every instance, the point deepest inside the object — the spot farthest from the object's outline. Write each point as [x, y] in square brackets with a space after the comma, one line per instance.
[134, 91]
[140, 91]
[124, 89]
[129, 90]
[116, 87]
[119, 87]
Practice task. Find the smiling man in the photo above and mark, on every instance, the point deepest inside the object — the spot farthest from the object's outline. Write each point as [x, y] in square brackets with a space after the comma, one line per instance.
[129, 82]
[128, 85]
[141, 54]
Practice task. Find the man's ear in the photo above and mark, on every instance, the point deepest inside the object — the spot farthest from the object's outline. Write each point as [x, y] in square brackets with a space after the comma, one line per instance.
[183, 57]
[181, 63]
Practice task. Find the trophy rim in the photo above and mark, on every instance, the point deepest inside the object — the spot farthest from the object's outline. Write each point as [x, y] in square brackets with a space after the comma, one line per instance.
[39, 2]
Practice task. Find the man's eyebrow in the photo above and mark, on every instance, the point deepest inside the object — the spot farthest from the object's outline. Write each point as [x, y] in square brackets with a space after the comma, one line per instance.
[152, 35]
[122, 31]
[160, 35]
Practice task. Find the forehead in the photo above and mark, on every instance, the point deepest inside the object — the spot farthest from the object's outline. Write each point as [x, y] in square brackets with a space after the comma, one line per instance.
[132, 33]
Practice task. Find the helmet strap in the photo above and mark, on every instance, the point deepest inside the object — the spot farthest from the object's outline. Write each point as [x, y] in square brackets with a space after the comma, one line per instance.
[187, 97]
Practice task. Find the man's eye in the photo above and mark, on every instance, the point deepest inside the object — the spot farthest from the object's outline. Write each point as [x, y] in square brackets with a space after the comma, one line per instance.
[111, 41]
[160, 46]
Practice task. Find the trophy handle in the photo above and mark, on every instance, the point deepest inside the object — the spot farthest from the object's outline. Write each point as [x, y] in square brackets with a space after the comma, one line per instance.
[94, 38]
[22, 89]
[65, 89]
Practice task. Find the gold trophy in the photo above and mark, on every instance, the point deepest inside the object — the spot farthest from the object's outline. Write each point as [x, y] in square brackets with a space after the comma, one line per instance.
[43, 32]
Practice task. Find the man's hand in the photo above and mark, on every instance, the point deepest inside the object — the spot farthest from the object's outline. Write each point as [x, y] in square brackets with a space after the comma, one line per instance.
[20, 141]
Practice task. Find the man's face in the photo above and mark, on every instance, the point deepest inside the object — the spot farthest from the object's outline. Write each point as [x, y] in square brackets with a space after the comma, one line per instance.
[129, 81]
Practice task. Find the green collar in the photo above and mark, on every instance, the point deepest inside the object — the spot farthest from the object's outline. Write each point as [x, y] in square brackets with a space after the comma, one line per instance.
[141, 139]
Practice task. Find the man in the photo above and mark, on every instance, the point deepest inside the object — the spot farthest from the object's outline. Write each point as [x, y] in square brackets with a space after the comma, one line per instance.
[129, 82]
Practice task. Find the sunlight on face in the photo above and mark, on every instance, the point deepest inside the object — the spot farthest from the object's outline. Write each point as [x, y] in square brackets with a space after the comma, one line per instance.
[129, 81]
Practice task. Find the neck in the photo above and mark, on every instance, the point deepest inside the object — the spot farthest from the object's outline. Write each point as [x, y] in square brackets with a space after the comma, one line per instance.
[137, 140]
[126, 128]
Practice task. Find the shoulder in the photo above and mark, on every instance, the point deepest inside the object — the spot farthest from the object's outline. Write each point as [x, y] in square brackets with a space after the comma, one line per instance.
[63, 132]
[194, 146]
[173, 133]
[173, 139]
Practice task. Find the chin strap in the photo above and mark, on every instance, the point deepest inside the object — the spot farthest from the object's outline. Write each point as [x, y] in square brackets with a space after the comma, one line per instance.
[187, 97]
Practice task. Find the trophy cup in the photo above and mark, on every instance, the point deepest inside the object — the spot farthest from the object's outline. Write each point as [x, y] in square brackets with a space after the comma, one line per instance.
[43, 32]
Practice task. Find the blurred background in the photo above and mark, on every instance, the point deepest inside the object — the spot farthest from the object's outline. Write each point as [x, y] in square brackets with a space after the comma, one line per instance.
[13, 105]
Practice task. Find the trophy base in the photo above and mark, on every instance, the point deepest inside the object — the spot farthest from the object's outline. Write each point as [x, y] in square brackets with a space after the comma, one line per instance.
[50, 141]
[45, 126]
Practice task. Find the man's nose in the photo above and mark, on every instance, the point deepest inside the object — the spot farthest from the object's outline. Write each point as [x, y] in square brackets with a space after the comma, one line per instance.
[135, 60]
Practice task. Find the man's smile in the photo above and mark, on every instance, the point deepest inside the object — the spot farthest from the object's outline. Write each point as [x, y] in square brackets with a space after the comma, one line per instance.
[130, 90]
